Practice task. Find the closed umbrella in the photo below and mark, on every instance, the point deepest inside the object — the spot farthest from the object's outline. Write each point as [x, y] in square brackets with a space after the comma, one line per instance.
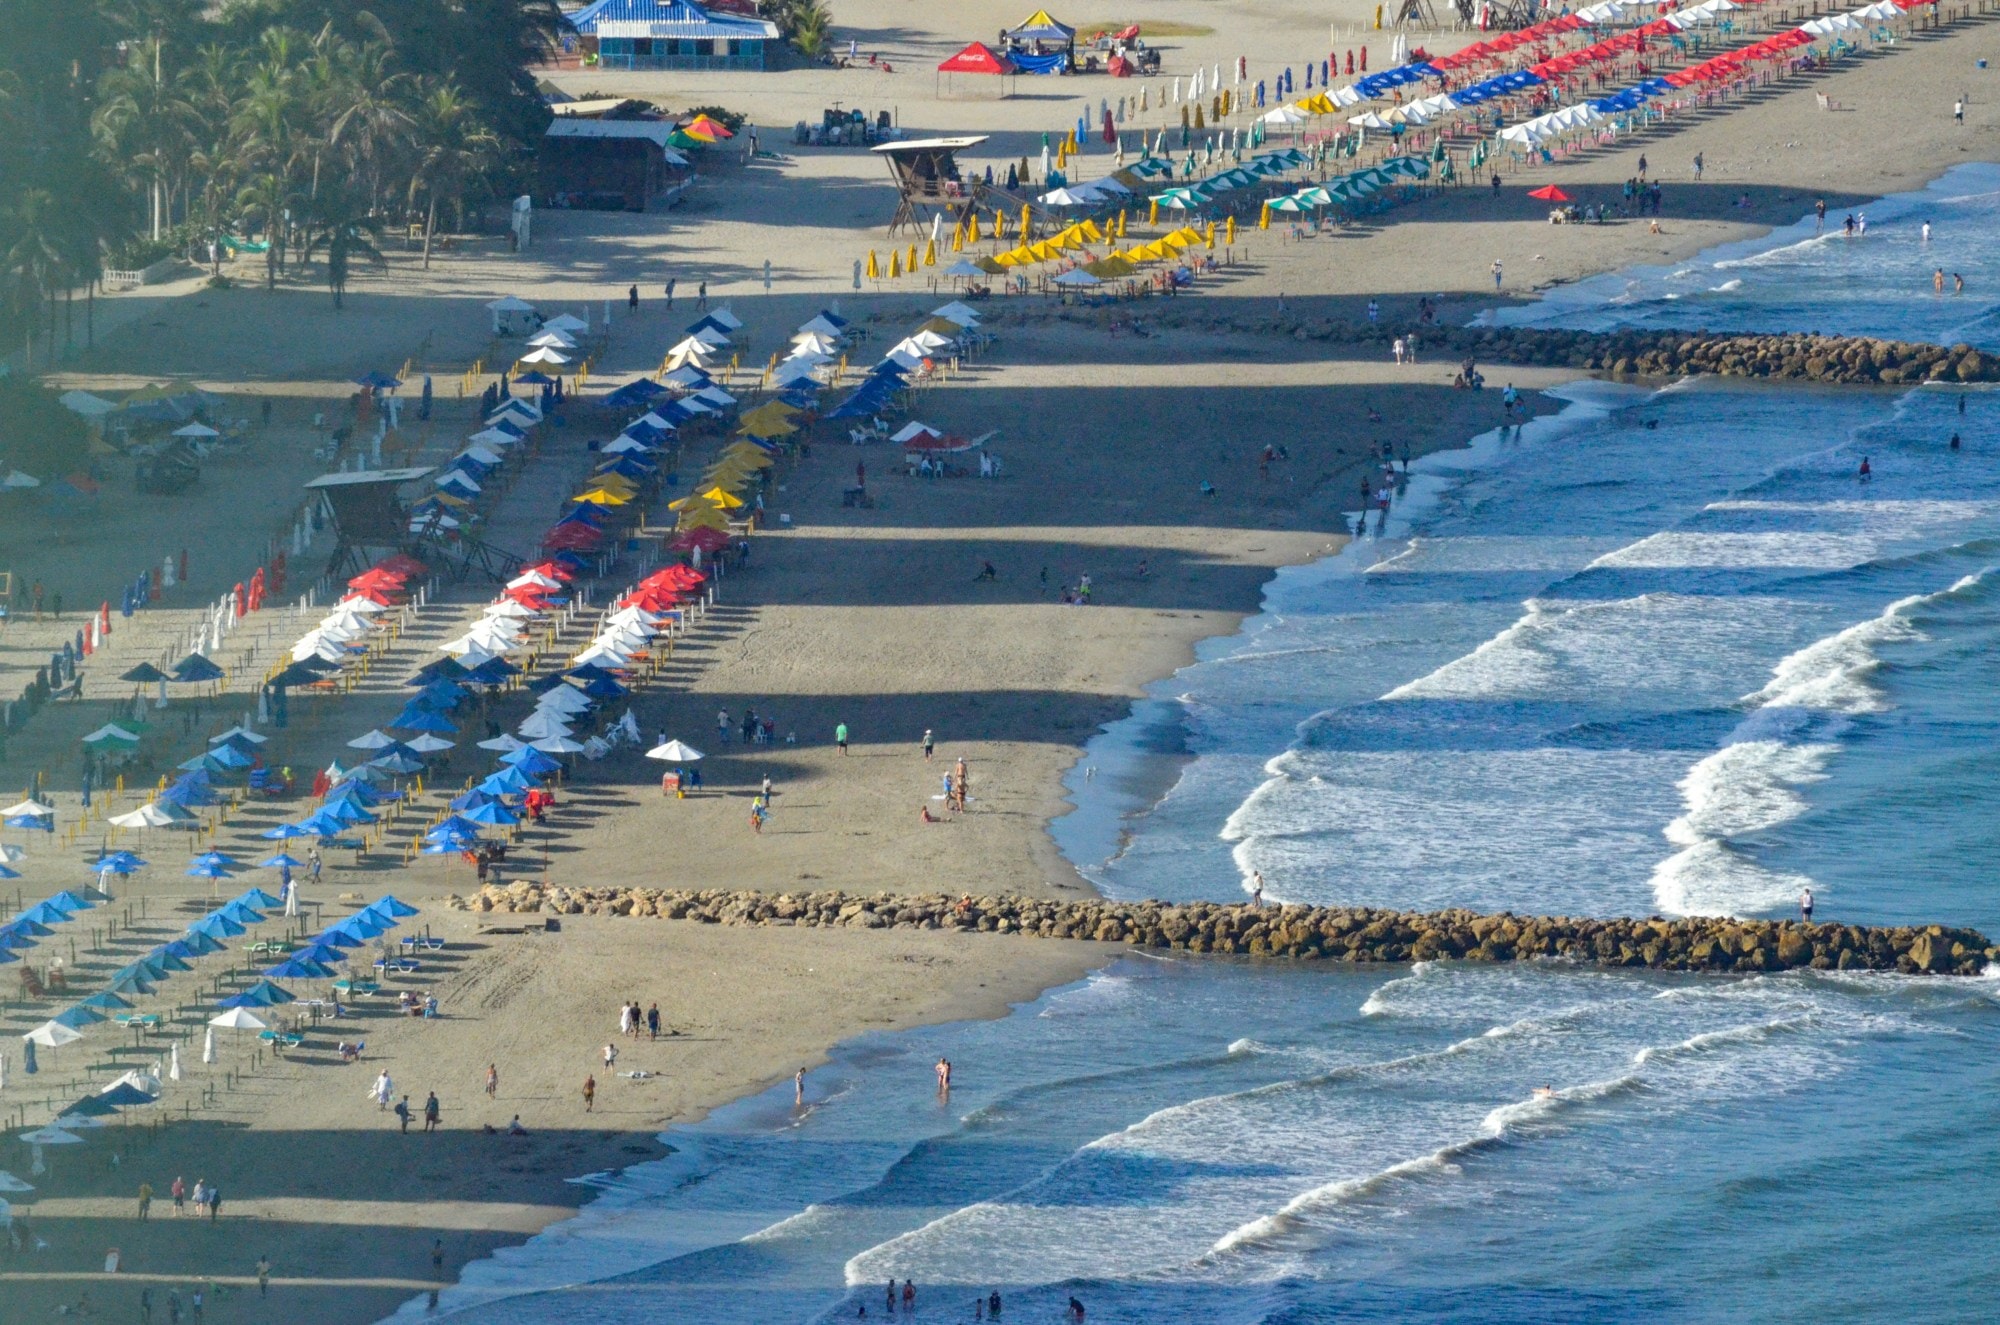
[208, 1045]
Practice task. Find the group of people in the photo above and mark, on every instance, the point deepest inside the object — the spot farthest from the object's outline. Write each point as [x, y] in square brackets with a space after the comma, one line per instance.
[633, 1023]
[207, 1197]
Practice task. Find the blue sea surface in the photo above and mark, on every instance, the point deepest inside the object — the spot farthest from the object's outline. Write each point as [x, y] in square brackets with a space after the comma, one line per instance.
[1663, 653]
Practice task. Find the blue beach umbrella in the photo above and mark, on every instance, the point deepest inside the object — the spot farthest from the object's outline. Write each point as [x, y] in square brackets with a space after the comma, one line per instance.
[299, 968]
[209, 872]
[530, 761]
[494, 813]
[216, 926]
[390, 904]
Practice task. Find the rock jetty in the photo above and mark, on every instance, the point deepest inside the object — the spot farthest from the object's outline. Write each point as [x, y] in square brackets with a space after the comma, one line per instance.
[1342, 934]
[1862, 360]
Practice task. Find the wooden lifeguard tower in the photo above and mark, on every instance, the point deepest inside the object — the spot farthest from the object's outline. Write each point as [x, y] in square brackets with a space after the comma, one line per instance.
[927, 179]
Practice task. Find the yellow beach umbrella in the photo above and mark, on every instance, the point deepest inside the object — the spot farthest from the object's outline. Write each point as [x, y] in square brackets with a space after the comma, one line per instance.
[601, 497]
[694, 503]
[772, 427]
[770, 412]
[728, 501]
[705, 518]
[930, 253]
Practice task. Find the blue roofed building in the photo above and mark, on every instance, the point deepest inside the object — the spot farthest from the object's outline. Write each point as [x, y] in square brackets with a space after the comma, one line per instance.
[671, 34]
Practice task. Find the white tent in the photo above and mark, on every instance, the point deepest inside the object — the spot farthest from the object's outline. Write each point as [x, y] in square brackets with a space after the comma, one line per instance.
[239, 1019]
[552, 336]
[545, 355]
[914, 429]
[1067, 198]
[89, 406]
[957, 312]
[1286, 115]
[820, 323]
[567, 322]
[539, 725]
[53, 1035]
[149, 815]
[725, 317]
[1078, 279]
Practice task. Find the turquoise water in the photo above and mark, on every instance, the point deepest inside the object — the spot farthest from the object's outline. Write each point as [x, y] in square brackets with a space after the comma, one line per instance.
[1663, 653]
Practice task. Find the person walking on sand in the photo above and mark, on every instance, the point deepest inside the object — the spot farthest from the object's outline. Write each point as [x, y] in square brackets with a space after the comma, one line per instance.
[653, 1021]
[722, 726]
[214, 1201]
[1497, 273]
[437, 1258]
[145, 1200]
[799, 1086]
[670, 294]
[701, 297]
[402, 1112]
[492, 1082]
[610, 1057]
[632, 298]
[431, 1111]
[840, 736]
[263, 1276]
[1958, 112]
[929, 745]
[384, 1089]
[589, 1093]
[1697, 167]
[179, 1192]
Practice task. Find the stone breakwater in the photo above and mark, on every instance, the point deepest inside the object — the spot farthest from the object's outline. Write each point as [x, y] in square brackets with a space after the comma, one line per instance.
[1345, 934]
[1789, 357]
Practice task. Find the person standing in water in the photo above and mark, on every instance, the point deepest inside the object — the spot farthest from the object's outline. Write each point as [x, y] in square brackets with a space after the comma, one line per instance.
[1866, 472]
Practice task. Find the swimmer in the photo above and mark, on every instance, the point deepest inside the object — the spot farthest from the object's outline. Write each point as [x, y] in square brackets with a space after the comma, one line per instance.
[1545, 1092]
[1866, 472]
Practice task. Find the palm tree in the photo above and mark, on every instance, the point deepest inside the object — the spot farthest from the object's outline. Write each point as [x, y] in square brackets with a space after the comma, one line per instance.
[812, 28]
[143, 120]
[369, 118]
[270, 197]
[343, 220]
[451, 146]
[35, 246]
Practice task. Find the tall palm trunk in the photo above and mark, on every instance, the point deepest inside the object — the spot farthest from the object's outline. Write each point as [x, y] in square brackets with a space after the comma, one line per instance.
[430, 228]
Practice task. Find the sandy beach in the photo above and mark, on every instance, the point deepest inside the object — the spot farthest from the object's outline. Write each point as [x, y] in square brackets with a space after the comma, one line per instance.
[879, 619]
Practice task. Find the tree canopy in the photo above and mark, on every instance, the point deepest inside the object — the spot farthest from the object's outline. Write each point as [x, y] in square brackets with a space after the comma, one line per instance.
[132, 129]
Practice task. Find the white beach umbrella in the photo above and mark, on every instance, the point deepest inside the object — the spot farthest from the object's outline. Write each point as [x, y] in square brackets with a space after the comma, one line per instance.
[674, 752]
[10, 1183]
[539, 724]
[239, 1019]
[545, 355]
[424, 743]
[53, 1035]
[556, 745]
[504, 743]
[552, 336]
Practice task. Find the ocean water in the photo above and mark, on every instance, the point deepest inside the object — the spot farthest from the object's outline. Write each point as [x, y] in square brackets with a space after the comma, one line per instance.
[1662, 653]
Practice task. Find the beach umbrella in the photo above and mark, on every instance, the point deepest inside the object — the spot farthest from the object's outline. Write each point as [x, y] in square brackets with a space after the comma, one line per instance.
[241, 1019]
[282, 861]
[50, 1136]
[299, 968]
[675, 752]
[530, 761]
[455, 826]
[209, 871]
[104, 998]
[392, 905]
[216, 926]
[284, 832]
[10, 1183]
[192, 945]
[124, 1095]
[1549, 193]
[494, 813]
[167, 959]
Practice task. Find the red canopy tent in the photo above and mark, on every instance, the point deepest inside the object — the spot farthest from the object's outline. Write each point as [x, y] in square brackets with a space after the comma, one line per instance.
[979, 58]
